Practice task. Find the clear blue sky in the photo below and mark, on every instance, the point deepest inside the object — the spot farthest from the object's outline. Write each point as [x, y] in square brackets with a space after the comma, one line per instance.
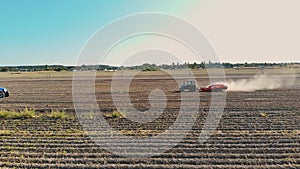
[54, 31]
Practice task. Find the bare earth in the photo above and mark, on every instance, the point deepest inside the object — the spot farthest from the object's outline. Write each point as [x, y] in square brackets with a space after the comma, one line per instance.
[258, 129]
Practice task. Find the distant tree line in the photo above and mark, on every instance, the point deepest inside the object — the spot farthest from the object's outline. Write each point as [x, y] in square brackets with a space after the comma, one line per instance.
[144, 67]
[35, 68]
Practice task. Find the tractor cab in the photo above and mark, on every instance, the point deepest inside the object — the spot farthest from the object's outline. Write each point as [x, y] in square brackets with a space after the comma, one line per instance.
[189, 86]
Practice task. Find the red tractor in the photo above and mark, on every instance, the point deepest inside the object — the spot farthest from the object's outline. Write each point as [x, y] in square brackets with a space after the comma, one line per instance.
[214, 88]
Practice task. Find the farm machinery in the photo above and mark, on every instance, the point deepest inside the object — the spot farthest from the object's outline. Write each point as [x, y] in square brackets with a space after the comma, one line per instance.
[214, 88]
[3, 93]
[191, 86]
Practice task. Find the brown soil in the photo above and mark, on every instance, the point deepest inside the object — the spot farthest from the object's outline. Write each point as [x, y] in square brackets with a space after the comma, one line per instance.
[259, 129]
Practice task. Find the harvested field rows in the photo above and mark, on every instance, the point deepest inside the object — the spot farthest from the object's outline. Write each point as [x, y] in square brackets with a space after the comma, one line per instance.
[259, 129]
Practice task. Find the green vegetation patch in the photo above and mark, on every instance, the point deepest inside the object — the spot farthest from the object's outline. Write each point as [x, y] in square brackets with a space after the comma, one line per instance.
[27, 114]
[17, 115]
[116, 114]
[57, 115]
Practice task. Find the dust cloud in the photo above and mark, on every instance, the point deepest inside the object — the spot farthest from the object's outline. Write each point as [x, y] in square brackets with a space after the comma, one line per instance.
[262, 82]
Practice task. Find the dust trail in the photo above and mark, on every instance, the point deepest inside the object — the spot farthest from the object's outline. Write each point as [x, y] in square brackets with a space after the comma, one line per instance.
[262, 82]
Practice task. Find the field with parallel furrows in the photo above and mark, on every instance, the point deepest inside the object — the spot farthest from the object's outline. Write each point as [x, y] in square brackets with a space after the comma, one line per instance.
[257, 130]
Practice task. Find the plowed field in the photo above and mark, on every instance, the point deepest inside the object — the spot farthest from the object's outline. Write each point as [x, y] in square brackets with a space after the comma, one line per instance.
[258, 129]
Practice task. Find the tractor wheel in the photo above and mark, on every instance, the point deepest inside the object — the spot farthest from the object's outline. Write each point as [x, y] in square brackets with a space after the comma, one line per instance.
[2, 94]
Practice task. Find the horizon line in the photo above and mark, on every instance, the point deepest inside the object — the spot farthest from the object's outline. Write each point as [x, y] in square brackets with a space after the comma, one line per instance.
[55, 64]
